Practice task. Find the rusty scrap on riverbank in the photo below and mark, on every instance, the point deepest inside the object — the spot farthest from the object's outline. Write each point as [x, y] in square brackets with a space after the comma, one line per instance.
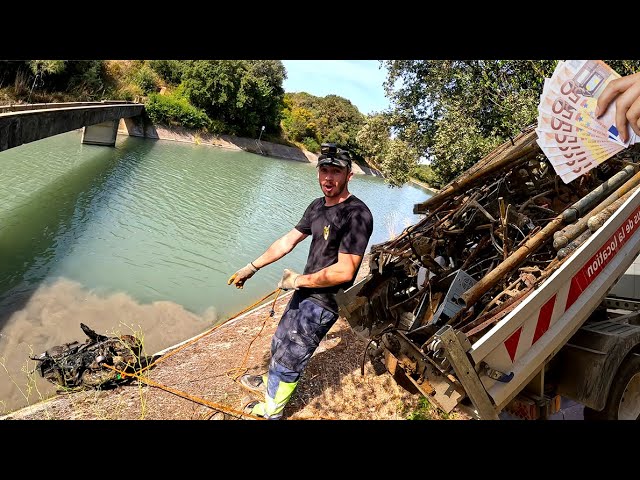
[486, 241]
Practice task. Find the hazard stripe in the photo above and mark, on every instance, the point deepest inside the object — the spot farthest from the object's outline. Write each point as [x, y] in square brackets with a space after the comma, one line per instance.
[569, 293]
[596, 264]
[544, 319]
[511, 343]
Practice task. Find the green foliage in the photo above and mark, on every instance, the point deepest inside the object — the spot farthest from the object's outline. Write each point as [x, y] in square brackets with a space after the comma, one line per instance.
[425, 174]
[373, 137]
[338, 121]
[172, 110]
[244, 94]
[426, 411]
[128, 93]
[84, 78]
[168, 70]
[147, 79]
[9, 69]
[47, 66]
[87, 77]
[454, 112]
[398, 161]
[393, 156]
[297, 123]
[311, 144]
[624, 67]
[325, 119]
[217, 128]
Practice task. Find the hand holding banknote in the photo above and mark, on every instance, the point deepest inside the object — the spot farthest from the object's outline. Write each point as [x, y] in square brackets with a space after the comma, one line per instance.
[573, 137]
[626, 92]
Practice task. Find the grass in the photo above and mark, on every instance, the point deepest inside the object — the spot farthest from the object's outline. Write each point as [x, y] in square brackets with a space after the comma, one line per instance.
[29, 390]
[426, 411]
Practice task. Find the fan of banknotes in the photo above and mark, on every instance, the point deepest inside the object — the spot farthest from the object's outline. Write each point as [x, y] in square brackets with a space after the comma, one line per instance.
[569, 134]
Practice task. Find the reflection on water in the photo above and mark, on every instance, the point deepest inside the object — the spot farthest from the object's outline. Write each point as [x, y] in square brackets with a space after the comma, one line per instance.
[146, 234]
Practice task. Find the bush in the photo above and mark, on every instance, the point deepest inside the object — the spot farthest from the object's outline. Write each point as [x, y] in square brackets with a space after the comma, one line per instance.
[311, 144]
[171, 110]
[128, 92]
[169, 70]
[147, 80]
[217, 127]
[425, 174]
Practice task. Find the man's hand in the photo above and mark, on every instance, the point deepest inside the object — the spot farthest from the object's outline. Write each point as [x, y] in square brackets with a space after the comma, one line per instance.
[242, 275]
[626, 92]
[288, 280]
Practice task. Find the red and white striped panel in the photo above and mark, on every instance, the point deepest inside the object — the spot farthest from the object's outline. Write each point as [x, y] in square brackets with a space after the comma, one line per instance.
[521, 335]
[529, 333]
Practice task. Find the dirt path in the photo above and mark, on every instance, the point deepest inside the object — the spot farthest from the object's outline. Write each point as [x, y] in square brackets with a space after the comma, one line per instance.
[196, 380]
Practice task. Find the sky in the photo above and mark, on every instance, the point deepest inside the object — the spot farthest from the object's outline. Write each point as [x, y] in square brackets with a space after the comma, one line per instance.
[359, 81]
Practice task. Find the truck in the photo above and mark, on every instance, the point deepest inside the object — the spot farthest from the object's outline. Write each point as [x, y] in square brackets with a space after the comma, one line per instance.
[514, 290]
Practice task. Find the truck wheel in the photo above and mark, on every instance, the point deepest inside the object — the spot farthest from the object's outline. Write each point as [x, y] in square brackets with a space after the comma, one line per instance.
[623, 402]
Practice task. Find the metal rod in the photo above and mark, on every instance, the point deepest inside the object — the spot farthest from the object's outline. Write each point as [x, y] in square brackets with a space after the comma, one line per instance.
[562, 238]
[494, 276]
[596, 221]
[579, 208]
[524, 146]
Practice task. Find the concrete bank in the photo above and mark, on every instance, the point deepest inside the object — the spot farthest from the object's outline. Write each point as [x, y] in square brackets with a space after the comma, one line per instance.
[139, 128]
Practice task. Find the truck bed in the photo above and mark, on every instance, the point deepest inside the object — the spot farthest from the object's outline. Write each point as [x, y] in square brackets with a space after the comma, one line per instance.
[537, 328]
[481, 274]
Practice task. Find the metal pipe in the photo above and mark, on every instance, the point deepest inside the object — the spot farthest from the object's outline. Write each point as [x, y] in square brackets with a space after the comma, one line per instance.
[579, 208]
[571, 247]
[595, 222]
[562, 238]
[494, 276]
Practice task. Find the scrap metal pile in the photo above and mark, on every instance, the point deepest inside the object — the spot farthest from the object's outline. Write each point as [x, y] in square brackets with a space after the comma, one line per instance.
[93, 364]
[486, 241]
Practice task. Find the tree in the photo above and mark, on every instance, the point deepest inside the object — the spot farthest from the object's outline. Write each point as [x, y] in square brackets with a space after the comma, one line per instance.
[453, 112]
[338, 121]
[82, 77]
[331, 119]
[392, 156]
[244, 94]
[169, 70]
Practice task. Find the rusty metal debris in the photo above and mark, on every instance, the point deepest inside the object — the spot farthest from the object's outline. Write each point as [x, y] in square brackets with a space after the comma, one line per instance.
[82, 365]
[484, 244]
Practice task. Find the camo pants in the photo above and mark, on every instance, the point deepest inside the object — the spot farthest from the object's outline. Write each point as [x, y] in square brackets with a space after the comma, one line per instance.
[302, 326]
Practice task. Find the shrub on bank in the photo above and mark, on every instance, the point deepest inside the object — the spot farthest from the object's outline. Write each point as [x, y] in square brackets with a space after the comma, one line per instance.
[311, 144]
[172, 110]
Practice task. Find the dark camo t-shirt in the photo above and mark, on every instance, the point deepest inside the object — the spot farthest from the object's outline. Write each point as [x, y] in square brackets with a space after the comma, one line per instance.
[345, 228]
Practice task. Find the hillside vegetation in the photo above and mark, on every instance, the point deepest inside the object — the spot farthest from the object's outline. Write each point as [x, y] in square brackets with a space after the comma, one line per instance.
[236, 97]
[444, 115]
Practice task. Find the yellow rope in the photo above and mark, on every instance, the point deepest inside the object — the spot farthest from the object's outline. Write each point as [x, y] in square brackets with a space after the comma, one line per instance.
[188, 396]
[208, 332]
[241, 369]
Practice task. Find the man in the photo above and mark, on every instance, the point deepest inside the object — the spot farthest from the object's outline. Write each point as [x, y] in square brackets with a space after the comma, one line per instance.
[340, 225]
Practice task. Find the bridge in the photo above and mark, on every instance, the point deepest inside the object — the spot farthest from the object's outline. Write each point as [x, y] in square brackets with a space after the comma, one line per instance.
[21, 124]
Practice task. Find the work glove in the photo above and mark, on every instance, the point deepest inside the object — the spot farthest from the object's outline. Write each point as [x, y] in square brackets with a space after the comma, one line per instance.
[242, 275]
[288, 280]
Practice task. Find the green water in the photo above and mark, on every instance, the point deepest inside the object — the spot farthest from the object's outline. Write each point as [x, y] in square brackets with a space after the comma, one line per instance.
[147, 224]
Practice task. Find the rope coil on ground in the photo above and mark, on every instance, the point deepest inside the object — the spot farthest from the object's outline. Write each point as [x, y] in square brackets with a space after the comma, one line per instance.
[241, 369]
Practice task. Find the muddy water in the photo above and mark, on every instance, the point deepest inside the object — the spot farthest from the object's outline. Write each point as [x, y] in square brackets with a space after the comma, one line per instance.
[141, 238]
